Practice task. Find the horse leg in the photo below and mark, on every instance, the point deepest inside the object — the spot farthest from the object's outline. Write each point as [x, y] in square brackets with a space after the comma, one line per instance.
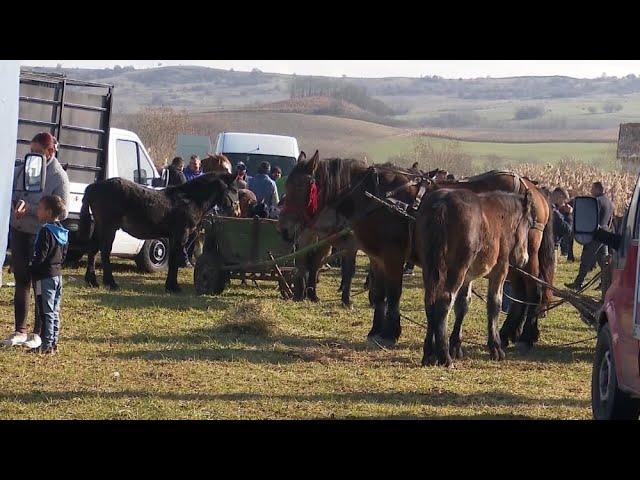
[377, 297]
[393, 291]
[176, 246]
[314, 271]
[460, 308]
[516, 311]
[494, 302]
[106, 242]
[348, 270]
[92, 250]
[436, 348]
[530, 331]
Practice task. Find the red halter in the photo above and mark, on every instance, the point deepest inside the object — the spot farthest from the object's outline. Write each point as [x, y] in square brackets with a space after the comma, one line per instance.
[310, 210]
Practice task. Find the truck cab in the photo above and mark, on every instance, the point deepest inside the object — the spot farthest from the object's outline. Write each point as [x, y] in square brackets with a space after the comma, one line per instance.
[78, 113]
[615, 384]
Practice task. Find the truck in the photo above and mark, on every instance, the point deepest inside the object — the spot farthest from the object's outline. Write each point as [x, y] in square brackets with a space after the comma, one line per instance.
[78, 113]
[615, 378]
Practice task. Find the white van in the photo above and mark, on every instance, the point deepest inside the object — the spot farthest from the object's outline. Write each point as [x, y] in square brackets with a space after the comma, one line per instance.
[254, 148]
[78, 113]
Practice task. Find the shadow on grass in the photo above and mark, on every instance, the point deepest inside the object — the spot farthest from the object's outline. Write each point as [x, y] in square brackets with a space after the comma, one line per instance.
[413, 399]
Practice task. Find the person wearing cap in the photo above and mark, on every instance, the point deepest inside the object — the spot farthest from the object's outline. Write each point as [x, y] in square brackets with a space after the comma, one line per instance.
[263, 186]
[241, 172]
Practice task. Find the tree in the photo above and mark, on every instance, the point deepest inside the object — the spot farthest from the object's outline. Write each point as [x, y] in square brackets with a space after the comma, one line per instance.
[158, 128]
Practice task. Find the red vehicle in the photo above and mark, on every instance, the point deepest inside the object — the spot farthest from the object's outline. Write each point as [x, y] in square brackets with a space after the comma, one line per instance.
[615, 381]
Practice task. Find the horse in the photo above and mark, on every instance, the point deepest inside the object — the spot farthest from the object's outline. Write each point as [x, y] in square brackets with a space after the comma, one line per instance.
[320, 193]
[521, 324]
[216, 163]
[463, 236]
[144, 213]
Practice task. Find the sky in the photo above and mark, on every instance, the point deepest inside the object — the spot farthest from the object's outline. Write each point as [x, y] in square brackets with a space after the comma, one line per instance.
[388, 68]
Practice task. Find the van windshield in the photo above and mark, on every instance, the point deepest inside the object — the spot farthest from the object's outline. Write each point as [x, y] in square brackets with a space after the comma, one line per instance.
[253, 161]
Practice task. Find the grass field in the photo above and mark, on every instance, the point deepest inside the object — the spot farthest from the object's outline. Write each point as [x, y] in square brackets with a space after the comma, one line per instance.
[486, 153]
[181, 357]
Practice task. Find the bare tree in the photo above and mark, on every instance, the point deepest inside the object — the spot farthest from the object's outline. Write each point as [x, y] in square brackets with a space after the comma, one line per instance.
[158, 128]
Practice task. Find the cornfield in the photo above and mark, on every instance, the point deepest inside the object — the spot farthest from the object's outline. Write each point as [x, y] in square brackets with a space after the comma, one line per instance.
[577, 178]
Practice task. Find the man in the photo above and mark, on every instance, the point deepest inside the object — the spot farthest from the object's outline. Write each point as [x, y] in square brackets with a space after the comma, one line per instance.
[562, 215]
[193, 170]
[264, 187]
[241, 172]
[176, 172]
[595, 252]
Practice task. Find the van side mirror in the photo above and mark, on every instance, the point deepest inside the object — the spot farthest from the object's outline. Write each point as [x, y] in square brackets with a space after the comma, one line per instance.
[140, 176]
[586, 215]
[35, 172]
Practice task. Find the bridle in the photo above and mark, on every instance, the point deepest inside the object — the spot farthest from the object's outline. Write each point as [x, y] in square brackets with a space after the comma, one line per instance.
[312, 209]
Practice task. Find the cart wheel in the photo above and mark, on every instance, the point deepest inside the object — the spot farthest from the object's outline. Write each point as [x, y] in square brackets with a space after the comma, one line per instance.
[208, 276]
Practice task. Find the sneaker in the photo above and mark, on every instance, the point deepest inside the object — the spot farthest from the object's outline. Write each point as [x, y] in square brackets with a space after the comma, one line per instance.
[14, 339]
[49, 351]
[34, 341]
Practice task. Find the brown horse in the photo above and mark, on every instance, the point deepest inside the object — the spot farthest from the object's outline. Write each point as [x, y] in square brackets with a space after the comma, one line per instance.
[521, 324]
[216, 163]
[320, 192]
[463, 236]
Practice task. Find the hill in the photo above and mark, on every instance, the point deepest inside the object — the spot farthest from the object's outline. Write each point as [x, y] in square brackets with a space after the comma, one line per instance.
[576, 107]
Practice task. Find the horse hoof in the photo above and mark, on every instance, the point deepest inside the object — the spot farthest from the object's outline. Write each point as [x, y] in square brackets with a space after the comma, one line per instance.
[347, 305]
[456, 352]
[429, 361]
[496, 353]
[381, 341]
[113, 286]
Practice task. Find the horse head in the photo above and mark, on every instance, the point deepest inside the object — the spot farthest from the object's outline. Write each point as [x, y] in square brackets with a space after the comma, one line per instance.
[301, 197]
[216, 163]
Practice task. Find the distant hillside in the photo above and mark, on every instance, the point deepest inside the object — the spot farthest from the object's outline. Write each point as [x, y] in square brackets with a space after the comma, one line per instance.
[560, 104]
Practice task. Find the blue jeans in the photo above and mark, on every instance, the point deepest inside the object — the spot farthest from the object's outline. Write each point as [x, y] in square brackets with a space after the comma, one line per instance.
[48, 295]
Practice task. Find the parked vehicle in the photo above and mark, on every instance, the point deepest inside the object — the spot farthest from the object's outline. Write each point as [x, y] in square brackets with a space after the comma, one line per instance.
[254, 148]
[78, 113]
[615, 385]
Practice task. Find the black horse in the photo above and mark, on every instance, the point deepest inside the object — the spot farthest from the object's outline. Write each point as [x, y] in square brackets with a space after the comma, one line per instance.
[172, 213]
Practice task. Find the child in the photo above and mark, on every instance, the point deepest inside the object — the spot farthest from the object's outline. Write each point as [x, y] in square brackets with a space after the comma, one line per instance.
[50, 250]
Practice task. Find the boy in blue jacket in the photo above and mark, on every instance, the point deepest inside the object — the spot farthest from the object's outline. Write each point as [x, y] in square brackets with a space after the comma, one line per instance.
[50, 250]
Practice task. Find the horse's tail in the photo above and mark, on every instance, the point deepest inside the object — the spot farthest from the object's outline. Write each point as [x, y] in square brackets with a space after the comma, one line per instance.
[435, 251]
[84, 227]
[546, 257]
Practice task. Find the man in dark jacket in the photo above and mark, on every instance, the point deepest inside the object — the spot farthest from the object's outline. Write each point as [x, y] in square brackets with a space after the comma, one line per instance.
[595, 252]
[175, 171]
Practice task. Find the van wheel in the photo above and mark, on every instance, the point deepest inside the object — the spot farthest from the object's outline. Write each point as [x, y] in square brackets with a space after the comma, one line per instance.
[608, 402]
[154, 256]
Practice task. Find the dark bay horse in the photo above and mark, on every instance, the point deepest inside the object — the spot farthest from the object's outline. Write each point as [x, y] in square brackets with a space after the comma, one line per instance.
[521, 324]
[462, 236]
[318, 192]
[144, 213]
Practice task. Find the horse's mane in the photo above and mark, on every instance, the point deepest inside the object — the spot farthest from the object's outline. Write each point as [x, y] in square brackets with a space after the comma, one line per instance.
[197, 189]
[335, 175]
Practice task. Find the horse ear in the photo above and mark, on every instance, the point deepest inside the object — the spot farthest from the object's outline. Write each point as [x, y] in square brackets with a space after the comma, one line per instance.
[228, 178]
[312, 164]
[302, 157]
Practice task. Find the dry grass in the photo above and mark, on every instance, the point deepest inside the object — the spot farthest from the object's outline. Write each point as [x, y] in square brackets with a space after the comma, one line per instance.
[184, 356]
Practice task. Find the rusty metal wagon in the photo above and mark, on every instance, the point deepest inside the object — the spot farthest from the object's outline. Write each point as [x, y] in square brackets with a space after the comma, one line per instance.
[242, 248]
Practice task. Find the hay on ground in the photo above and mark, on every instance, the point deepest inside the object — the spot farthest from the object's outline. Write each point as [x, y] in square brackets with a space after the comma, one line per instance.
[252, 317]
